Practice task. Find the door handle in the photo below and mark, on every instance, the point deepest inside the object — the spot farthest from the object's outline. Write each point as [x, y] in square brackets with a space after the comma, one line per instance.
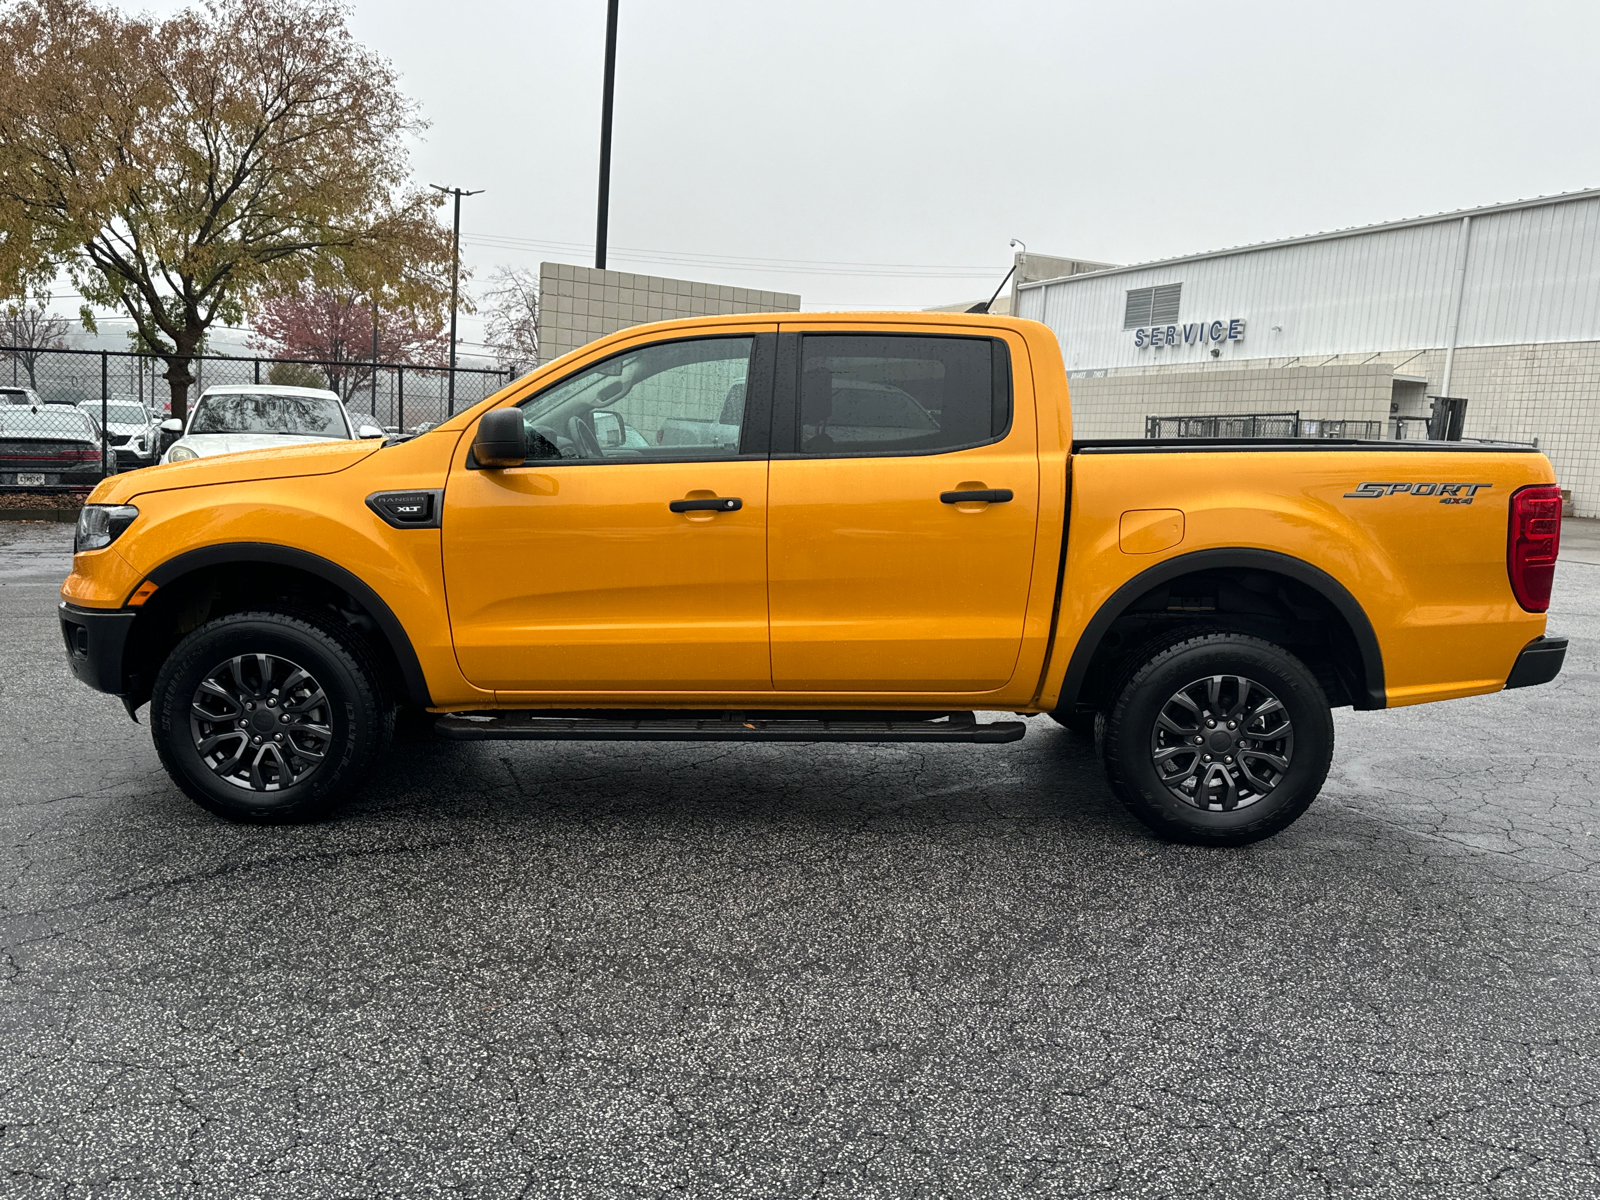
[989, 496]
[707, 504]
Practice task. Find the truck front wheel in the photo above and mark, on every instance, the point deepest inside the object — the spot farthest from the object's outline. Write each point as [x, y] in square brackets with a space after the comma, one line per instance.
[268, 717]
[1218, 740]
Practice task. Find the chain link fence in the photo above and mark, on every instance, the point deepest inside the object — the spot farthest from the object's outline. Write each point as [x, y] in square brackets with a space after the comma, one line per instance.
[1232, 425]
[70, 417]
[1273, 426]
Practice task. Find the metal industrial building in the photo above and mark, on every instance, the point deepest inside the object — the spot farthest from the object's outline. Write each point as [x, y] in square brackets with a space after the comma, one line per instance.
[1499, 306]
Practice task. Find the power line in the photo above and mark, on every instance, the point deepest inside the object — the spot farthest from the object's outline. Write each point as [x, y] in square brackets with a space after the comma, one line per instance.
[743, 262]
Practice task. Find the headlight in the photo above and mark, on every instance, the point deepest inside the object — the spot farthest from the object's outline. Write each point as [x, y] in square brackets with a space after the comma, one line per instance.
[180, 454]
[101, 524]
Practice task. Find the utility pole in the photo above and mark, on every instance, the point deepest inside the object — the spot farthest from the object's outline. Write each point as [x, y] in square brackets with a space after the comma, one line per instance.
[603, 218]
[455, 290]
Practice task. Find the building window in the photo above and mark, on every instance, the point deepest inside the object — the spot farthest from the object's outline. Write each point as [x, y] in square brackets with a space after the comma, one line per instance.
[1152, 306]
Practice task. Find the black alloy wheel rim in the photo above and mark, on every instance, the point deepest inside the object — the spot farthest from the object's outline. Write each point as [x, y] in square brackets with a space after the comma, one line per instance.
[261, 722]
[1222, 743]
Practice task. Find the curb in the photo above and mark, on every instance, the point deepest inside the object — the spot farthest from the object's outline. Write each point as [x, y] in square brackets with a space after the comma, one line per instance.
[63, 516]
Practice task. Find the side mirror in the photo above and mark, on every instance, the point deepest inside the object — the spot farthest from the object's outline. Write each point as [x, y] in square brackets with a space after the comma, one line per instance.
[172, 425]
[608, 429]
[369, 431]
[501, 440]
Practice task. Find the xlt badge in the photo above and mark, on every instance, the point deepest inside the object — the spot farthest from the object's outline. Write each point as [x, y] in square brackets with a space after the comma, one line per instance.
[1448, 493]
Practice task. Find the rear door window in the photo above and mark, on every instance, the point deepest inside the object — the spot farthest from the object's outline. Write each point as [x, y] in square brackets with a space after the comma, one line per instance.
[879, 394]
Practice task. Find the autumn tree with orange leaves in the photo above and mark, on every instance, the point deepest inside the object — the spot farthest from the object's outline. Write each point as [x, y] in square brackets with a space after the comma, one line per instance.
[185, 171]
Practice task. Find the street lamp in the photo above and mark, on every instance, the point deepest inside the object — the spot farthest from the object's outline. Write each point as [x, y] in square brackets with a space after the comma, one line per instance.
[455, 276]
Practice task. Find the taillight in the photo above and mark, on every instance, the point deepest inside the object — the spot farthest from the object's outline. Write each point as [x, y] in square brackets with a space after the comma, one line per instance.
[1532, 542]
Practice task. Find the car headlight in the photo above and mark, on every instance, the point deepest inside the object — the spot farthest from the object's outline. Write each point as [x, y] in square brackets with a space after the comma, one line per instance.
[180, 454]
[101, 524]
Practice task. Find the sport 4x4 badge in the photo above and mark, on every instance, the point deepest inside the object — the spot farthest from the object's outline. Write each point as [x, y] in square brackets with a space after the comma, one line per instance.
[1448, 493]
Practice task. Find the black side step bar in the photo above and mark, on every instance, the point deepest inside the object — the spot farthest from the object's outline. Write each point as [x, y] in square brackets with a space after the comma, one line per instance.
[728, 727]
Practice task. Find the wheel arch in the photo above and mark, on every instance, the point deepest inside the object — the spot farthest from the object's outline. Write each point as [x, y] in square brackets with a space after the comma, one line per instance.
[1370, 693]
[210, 560]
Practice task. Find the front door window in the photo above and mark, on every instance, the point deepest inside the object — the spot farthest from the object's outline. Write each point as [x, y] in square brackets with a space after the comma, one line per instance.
[671, 402]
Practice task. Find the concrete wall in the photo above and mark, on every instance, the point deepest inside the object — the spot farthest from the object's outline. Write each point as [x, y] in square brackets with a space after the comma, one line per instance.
[1115, 404]
[579, 304]
[1547, 393]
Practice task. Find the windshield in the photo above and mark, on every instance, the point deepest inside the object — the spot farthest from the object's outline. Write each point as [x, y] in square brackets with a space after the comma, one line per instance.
[265, 412]
[119, 413]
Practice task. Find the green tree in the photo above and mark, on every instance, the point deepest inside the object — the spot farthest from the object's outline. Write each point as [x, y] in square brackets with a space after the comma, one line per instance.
[185, 170]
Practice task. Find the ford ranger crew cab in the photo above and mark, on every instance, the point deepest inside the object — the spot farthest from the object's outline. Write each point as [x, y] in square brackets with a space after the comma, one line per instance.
[819, 527]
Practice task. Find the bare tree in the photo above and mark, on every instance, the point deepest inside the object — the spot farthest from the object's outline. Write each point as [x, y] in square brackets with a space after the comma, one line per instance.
[511, 317]
[27, 330]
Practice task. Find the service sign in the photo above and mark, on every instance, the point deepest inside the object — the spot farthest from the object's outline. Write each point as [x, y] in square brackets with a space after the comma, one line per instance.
[1195, 333]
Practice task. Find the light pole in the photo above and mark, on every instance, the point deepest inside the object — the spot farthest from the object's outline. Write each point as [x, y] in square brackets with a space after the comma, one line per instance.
[455, 275]
[602, 218]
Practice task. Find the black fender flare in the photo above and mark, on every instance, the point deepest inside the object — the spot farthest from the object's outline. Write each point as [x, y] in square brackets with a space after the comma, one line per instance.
[411, 676]
[1318, 580]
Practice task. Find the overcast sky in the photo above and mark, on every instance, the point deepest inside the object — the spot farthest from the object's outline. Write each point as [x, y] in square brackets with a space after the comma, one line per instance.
[924, 134]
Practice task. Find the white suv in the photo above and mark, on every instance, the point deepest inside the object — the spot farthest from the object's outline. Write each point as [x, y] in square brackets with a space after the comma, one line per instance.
[255, 416]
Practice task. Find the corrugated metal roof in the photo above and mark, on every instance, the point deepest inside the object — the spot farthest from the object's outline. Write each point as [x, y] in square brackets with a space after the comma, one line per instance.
[1303, 239]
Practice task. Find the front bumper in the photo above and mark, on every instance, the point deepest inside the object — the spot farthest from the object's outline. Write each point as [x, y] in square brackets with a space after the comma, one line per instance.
[1539, 662]
[95, 640]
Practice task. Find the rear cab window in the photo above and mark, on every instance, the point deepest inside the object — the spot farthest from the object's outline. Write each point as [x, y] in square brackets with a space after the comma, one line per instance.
[872, 395]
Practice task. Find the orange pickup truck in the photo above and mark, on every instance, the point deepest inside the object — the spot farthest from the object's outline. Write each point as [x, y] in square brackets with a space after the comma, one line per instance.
[819, 527]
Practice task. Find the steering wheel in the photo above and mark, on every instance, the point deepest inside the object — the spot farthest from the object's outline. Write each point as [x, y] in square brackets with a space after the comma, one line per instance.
[582, 433]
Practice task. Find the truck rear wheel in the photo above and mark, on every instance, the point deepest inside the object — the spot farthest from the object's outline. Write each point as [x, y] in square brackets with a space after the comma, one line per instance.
[1219, 740]
[268, 717]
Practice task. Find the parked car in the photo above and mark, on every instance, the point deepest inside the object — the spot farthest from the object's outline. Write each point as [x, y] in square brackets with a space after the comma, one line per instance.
[48, 445]
[131, 431]
[883, 551]
[232, 417]
[19, 395]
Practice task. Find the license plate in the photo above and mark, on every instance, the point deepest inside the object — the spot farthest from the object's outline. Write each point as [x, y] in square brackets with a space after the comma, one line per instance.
[30, 480]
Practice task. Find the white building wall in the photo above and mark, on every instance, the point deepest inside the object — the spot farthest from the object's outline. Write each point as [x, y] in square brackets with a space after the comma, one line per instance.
[1527, 354]
[1533, 275]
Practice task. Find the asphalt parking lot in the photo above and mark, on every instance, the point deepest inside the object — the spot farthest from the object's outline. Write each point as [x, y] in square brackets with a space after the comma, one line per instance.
[636, 971]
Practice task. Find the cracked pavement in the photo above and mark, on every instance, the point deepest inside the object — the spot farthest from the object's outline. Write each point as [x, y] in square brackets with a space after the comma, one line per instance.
[513, 969]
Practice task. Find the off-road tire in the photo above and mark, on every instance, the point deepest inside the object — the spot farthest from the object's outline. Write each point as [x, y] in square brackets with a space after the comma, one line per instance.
[360, 717]
[1148, 685]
